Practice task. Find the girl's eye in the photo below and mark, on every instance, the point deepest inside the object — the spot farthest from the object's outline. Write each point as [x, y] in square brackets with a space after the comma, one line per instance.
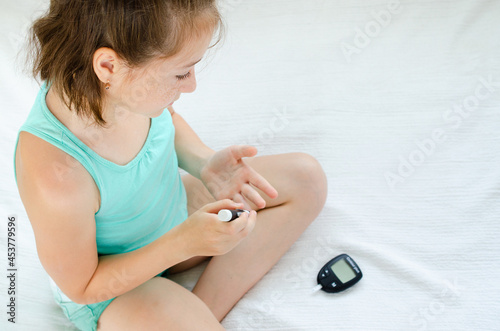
[181, 77]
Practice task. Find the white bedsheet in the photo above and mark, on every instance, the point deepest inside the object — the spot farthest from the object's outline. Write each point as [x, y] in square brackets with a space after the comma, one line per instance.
[399, 101]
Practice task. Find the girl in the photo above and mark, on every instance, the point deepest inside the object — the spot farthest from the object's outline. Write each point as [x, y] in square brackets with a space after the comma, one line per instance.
[97, 170]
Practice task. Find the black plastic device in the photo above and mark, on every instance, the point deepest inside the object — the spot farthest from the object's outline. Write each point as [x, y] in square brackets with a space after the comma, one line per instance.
[227, 215]
[339, 274]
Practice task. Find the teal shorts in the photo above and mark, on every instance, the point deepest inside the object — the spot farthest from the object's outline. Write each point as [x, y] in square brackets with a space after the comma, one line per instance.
[85, 317]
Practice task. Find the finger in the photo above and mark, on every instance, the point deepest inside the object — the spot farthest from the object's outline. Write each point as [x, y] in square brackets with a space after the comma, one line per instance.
[262, 184]
[252, 219]
[241, 151]
[248, 221]
[214, 207]
[240, 199]
[245, 223]
[253, 196]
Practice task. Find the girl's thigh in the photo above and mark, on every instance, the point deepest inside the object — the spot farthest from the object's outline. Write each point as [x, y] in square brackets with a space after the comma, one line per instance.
[158, 304]
[294, 175]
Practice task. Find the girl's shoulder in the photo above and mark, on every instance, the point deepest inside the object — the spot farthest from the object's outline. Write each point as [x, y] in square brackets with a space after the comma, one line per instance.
[60, 199]
[46, 172]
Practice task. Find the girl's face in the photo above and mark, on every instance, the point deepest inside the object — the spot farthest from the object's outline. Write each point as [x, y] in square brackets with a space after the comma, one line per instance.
[150, 89]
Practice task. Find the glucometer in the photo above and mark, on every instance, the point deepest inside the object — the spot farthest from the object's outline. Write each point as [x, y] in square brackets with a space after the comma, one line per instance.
[226, 215]
[338, 274]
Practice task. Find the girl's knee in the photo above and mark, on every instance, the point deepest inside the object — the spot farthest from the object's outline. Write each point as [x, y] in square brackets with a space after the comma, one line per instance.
[310, 178]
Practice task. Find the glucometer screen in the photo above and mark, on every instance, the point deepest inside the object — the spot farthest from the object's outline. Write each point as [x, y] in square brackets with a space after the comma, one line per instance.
[343, 271]
[338, 274]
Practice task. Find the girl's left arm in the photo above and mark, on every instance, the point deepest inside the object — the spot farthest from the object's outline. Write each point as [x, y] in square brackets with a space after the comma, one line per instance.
[192, 153]
[224, 173]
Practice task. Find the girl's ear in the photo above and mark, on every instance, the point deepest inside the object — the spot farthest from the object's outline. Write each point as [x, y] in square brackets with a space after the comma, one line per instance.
[106, 63]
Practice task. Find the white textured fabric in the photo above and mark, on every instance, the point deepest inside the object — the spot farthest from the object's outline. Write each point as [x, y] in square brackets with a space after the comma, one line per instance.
[399, 101]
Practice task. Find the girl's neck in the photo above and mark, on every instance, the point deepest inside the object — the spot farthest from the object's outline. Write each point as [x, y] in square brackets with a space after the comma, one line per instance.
[76, 123]
[118, 143]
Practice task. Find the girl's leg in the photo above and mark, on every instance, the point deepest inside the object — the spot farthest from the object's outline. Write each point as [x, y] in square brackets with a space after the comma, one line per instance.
[302, 188]
[158, 304]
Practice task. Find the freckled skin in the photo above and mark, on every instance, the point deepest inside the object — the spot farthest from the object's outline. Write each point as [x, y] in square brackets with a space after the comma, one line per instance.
[150, 89]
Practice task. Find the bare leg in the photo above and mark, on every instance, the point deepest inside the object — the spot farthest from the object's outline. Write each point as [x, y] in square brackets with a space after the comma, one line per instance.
[302, 188]
[158, 304]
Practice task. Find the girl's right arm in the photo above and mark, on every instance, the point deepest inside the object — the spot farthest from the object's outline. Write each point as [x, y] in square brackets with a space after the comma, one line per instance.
[202, 234]
[61, 199]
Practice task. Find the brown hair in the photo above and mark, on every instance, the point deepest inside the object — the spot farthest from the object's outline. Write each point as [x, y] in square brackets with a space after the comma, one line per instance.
[63, 41]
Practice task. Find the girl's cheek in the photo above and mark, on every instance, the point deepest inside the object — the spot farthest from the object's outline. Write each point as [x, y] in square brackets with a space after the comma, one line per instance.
[169, 94]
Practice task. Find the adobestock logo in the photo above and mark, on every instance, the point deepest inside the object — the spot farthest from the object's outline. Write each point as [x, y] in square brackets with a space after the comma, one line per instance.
[279, 122]
[454, 117]
[448, 296]
[116, 283]
[294, 278]
[372, 29]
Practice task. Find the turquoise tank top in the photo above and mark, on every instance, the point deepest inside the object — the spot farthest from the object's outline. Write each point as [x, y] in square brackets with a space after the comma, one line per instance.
[140, 201]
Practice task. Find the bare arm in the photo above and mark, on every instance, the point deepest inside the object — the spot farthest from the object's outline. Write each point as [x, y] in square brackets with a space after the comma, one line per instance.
[224, 173]
[191, 151]
[61, 199]
[120, 273]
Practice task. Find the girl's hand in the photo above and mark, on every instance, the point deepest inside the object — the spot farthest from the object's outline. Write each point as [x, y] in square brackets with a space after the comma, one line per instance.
[227, 176]
[205, 235]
